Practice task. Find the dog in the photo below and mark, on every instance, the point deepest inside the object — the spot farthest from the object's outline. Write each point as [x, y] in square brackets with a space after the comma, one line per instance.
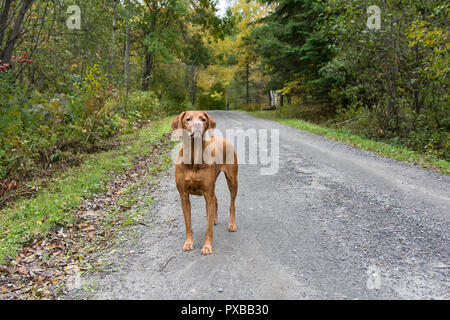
[199, 163]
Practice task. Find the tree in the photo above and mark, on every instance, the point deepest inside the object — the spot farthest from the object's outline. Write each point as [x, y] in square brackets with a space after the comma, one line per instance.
[16, 28]
[291, 44]
[236, 64]
[160, 32]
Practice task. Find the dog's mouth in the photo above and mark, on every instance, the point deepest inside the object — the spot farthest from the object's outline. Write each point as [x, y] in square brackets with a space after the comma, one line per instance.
[196, 134]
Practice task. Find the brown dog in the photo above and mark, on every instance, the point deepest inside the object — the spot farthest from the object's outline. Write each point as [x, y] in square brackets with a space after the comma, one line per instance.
[197, 170]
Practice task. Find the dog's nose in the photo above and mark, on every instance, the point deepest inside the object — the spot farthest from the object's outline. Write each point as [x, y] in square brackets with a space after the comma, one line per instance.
[198, 125]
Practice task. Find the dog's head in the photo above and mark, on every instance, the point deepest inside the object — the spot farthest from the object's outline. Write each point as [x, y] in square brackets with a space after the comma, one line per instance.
[194, 124]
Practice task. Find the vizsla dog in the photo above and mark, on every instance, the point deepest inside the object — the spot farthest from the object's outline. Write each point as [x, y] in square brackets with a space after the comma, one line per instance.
[199, 163]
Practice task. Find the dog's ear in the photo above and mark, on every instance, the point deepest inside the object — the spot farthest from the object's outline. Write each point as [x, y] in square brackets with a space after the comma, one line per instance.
[176, 122]
[211, 125]
[177, 125]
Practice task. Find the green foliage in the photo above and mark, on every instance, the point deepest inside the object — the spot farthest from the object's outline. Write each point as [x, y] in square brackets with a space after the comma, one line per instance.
[145, 105]
[213, 101]
[313, 113]
[80, 87]
[39, 129]
[291, 44]
[388, 84]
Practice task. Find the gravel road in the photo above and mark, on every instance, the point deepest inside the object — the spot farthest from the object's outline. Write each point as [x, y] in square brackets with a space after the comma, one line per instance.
[333, 223]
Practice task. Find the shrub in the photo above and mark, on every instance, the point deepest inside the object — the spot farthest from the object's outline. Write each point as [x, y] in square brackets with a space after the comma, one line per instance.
[144, 104]
[39, 129]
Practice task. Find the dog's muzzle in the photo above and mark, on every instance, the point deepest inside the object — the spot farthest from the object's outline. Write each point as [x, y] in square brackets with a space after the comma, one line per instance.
[197, 130]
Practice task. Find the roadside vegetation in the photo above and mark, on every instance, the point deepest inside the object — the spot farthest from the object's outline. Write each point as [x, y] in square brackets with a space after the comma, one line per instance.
[346, 136]
[54, 203]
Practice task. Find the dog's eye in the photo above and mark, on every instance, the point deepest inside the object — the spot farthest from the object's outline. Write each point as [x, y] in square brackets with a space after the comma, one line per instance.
[188, 119]
[203, 119]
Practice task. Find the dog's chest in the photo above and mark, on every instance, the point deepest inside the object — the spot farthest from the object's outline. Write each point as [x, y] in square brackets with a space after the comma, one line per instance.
[197, 181]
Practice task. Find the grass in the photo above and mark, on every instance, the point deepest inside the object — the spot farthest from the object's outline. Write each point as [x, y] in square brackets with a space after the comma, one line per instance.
[426, 161]
[53, 206]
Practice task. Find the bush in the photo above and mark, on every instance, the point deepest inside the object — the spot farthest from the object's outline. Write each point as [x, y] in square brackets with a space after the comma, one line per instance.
[252, 107]
[144, 105]
[39, 129]
[417, 132]
[317, 113]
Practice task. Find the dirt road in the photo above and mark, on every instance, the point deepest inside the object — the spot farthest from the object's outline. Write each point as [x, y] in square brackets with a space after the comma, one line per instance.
[334, 222]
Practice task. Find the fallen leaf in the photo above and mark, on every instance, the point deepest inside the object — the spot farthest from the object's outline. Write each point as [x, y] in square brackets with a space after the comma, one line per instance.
[22, 271]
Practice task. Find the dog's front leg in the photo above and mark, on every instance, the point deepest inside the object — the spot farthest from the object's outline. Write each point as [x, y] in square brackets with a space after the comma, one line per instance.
[186, 207]
[210, 217]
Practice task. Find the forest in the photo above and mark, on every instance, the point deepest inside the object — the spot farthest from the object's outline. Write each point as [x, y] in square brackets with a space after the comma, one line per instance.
[75, 73]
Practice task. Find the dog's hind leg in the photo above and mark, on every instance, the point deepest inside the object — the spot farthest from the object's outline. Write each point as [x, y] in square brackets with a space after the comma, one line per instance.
[232, 181]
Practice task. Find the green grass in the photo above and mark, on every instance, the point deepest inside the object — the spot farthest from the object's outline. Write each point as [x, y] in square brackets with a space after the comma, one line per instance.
[348, 138]
[53, 206]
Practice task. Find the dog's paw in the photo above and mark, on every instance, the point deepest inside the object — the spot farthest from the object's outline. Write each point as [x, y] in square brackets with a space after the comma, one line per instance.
[206, 250]
[188, 246]
[232, 227]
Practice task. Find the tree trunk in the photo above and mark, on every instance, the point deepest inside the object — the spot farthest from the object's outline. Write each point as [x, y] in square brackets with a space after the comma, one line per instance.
[9, 46]
[246, 75]
[193, 85]
[148, 68]
[126, 59]
[4, 19]
[113, 39]
[126, 65]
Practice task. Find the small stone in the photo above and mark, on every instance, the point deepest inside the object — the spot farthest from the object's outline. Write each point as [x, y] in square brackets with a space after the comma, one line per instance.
[220, 290]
